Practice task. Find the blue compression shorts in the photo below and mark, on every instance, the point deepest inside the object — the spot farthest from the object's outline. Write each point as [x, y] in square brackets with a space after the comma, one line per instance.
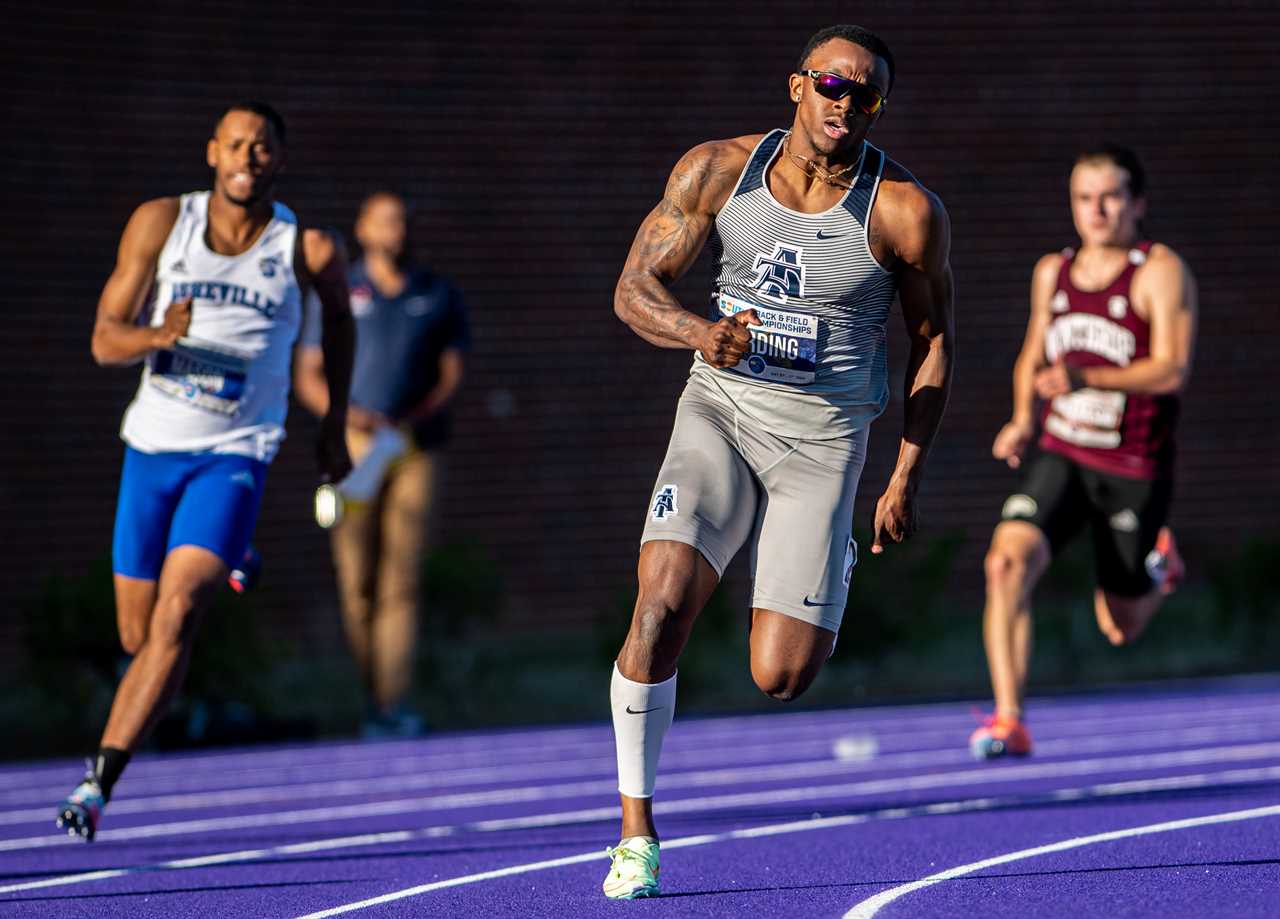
[167, 500]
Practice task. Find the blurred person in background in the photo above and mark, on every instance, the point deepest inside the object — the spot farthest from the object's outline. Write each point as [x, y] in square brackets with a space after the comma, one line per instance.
[411, 345]
[1108, 349]
[224, 273]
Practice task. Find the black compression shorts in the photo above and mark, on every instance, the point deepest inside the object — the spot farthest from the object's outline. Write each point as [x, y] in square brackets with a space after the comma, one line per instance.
[1060, 496]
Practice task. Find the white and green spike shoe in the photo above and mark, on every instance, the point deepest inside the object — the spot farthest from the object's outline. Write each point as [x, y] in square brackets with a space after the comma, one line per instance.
[634, 872]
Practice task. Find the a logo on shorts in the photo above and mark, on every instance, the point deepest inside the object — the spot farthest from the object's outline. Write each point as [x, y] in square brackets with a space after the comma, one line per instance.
[1117, 306]
[1060, 302]
[1018, 506]
[1125, 521]
[244, 477]
[666, 503]
[850, 559]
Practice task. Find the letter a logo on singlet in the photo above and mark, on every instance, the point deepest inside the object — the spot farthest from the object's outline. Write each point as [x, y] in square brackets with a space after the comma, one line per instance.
[664, 505]
[780, 274]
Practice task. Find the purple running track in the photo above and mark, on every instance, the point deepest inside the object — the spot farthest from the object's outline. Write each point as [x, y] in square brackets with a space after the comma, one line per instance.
[1136, 803]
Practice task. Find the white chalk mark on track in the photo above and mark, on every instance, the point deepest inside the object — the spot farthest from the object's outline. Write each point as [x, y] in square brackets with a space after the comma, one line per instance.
[799, 826]
[1110, 789]
[872, 905]
[861, 758]
[976, 775]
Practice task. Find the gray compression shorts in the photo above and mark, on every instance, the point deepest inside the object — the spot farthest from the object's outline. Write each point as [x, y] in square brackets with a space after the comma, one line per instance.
[725, 482]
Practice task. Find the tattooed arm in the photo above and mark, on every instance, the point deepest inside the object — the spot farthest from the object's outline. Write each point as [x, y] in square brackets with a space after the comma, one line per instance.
[668, 242]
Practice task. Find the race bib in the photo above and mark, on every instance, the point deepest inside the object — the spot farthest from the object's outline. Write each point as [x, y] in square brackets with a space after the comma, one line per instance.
[210, 380]
[1087, 417]
[784, 348]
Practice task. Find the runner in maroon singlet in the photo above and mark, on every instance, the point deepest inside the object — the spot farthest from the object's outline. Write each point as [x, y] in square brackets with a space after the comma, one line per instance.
[1108, 348]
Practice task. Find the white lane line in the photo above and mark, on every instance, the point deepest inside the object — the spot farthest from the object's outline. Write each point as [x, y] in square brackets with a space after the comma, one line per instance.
[604, 786]
[798, 826]
[1113, 789]
[788, 772]
[981, 775]
[596, 855]
[869, 907]
[688, 734]
[217, 858]
[603, 769]
[951, 734]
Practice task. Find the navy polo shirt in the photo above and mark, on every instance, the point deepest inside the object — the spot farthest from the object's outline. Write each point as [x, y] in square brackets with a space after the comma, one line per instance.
[398, 345]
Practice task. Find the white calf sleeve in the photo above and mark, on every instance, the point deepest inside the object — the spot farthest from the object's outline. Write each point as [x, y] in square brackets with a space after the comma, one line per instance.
[642, 712]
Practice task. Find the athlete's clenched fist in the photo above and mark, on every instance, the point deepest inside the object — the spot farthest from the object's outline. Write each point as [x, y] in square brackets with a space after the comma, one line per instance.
[725, 342]
[177, 320]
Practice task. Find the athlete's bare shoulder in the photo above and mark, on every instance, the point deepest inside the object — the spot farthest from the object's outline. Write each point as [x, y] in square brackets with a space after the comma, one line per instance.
[1162, 259]
[1164, 276]
[149, 225]
[906, 195]
[705, 176]
[908, 221]
[1047, 268]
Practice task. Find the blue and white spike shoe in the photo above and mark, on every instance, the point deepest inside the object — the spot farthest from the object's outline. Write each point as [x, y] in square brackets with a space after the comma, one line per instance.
[79, 814]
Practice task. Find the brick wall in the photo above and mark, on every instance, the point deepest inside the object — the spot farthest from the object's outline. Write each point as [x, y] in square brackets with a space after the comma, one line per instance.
[534, 139]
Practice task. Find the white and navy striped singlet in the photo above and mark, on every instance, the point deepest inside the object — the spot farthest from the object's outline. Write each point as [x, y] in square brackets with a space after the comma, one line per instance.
[817, 368]
[224, 386]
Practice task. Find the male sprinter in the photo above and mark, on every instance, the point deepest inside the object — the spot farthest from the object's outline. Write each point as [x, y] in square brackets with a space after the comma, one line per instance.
[814, 231]
[1108, 347]
[226, 270]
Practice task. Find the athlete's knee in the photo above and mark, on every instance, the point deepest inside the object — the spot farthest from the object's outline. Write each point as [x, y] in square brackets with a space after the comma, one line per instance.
[176, 616]
[781, 681]
[132, 637]
[1010, 566]
[784, 675]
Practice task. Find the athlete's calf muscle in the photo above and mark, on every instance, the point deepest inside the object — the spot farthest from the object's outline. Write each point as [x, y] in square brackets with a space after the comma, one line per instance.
[675, 582]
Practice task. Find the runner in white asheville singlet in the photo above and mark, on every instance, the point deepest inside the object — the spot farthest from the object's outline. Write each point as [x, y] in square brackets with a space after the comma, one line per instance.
[224, 386]
[224, 271]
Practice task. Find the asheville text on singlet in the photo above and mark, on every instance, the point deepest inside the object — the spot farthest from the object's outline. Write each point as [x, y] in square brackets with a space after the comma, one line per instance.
[223, 387]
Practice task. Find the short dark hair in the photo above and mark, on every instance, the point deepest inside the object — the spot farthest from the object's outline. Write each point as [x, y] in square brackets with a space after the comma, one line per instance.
[856, 35]
[1120, 156]
[391, 193]
[255, 107]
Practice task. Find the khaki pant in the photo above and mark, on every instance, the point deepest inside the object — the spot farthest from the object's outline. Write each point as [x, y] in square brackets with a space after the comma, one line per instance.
[378, 551]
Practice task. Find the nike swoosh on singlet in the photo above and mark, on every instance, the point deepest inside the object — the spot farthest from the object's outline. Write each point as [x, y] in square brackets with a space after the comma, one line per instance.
[822, 235]
[644, 711]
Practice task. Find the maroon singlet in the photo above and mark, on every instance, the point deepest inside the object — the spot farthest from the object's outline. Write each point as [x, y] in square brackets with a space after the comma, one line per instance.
[1127, 434]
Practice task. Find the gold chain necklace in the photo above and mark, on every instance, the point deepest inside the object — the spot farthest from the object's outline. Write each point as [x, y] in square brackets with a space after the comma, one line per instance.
[820, 172]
